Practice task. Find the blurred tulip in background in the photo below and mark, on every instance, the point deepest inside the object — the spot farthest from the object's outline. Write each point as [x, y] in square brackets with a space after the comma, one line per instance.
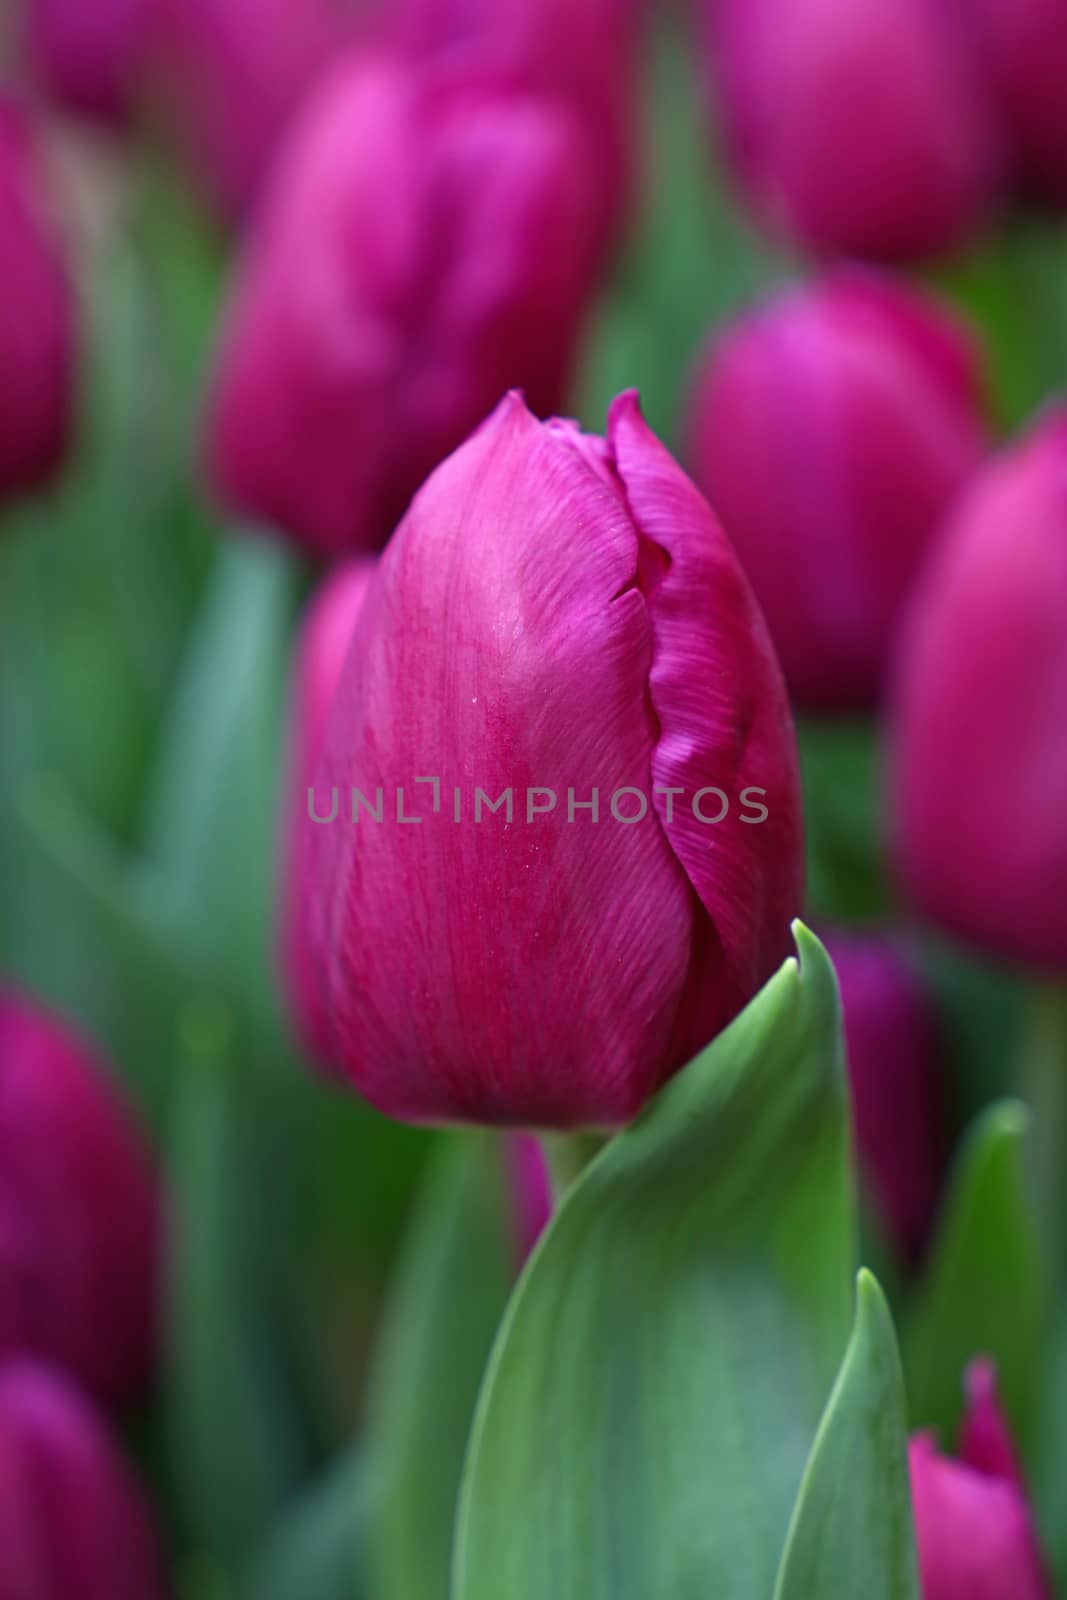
[1023, 46]
[231, 74]
[557, 612]
[530, 1191]
[891, 1041]
[429, 241]
[36, 316]
[973, 1524]
[595, 71]
[89, 56]
[320, 655]
[79, 1211]
[979, 780]
[857, 129]
[830, 429]
[73, 1521]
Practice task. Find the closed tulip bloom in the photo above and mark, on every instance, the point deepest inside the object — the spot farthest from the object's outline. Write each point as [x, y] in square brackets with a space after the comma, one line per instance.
[36, 317]
[79, 1211]
[73, 1520]
[558, 620]
[980, 707]
[323, 645]
[596, 71]
[973, 1525]
[1024, 49]
[529, 1190]
[90, 55]
[830, 429]
[428, 242]
[231, 74]
[893, 1070]
[858, 129]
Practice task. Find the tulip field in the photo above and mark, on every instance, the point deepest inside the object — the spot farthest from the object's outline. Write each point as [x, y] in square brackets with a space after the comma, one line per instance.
[533, 800]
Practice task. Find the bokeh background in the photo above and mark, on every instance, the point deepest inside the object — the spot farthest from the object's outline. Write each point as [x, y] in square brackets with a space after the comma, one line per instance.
[146, 647]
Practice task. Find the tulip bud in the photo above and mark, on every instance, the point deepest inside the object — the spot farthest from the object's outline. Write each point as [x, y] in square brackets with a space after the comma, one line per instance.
[36, 318]
[596, 72]
[79, 1222]
[531, 1191]
[427, 242]
[830, 429]
[73, 1521]
[89, 55]
[324, 643]
[856, 129]
[973, 1525]
[231, 75]
[1024, 49]
[892, 1058]
[980, 702]
[562, 705]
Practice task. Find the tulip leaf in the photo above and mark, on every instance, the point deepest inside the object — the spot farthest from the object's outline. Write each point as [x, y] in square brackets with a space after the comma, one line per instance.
[446, 1303]
[852, 1531]
[661, 1371]
[318, 1552]
[237, 1438]
[987, 1288]
[211, 805]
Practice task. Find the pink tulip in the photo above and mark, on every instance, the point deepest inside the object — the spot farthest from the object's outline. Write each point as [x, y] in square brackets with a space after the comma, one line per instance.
[893, 1069]
[973, 1525]
[73, 1521]
[79, 1211]
[36, 317]
[858, 128]
[979, 753]
[324, 642]
[596, 71]
[428, 242]
[1024, 49]
[89, 55]
[830, 429]
[558, 629]
[231, 75]
[530, 1190]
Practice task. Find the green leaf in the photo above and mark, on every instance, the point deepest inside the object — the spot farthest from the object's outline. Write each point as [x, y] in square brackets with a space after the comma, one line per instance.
[449, 1296]
[318, 1552]
[852, 1530]
[987, 1288]
[238, 1445]
[660, 1374]
[211, 813]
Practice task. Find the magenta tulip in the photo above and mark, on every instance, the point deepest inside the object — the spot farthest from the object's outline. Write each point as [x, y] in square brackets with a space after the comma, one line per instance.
[73, 1520]
[596, 71]
[973, 1524]
[232, 74]
[428, 241]
[559, 650]
[859, 128]
[324, 642]
[79, 1211]
[530, 1192]
[1023, 45]
[90, 55]
[830, 429]
[36, 317]
[893, 1069]
[980, 708]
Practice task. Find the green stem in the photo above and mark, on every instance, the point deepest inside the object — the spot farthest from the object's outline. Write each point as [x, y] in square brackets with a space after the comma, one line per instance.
[1044, 1083]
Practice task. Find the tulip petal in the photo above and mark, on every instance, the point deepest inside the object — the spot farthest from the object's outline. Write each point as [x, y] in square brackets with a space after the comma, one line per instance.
[723, 724]
[504, 645]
